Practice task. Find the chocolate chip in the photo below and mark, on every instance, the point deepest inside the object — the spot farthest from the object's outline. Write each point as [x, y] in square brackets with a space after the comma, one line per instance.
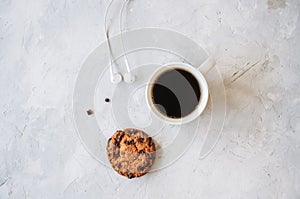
[140, 168]
[127, 142]
[141, 152]
[120, 137]
[90, 112]
[150, 143]
[141, 140]
[130, 176]
[117, 144]
[132, 142]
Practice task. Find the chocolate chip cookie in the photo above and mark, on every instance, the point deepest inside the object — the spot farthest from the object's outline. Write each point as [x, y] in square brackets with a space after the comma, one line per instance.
[131, 152]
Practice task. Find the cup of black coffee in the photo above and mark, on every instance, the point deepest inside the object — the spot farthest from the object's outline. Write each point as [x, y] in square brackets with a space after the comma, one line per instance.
[177, 93]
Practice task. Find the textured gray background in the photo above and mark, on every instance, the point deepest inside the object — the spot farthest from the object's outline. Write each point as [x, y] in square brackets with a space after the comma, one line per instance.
[44, 42]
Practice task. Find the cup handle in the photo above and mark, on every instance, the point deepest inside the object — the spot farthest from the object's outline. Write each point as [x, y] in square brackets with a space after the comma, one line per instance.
[207, 66]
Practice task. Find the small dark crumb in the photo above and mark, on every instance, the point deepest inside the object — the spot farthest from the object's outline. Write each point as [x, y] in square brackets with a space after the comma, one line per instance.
[107, 100]
[90, 112]
[130, 176]
[141, 140]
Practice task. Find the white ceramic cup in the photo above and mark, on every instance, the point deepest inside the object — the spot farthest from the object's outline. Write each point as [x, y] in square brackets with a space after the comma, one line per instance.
[198, 73]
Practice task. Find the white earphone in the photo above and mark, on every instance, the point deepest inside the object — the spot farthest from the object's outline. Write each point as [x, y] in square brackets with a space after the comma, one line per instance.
[116, 78]
[129, 78]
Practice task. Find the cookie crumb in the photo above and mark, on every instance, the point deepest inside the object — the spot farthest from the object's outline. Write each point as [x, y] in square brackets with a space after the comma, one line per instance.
[107, 100]
[90, 112]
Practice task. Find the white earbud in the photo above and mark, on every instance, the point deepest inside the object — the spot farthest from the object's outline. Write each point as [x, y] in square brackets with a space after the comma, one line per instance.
[129, 78]
[116, 78]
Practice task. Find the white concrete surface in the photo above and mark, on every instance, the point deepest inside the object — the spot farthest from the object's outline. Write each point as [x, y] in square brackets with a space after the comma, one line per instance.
[42, 45]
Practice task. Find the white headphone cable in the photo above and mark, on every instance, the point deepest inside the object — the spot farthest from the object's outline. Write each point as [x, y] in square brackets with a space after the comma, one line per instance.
[117, 77]
[114, 77]
[128, 77]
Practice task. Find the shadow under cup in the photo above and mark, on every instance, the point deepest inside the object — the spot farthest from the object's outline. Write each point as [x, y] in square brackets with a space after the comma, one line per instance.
[177, 94]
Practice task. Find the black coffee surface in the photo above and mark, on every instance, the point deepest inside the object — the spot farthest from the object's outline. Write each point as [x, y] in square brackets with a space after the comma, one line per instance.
[176, 93]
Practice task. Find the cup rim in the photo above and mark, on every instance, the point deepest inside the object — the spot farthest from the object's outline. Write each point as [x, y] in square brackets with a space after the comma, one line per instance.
[203, 97]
